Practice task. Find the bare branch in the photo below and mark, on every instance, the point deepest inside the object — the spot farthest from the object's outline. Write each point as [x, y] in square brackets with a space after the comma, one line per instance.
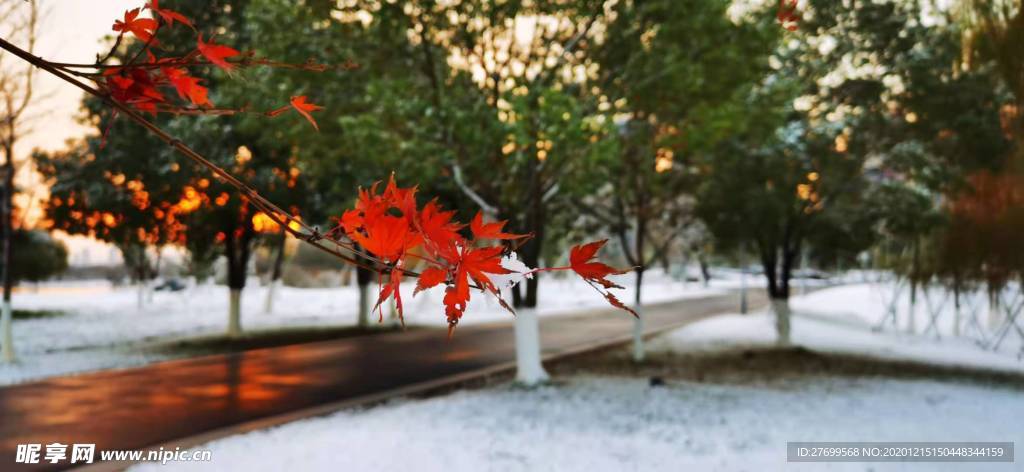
[491, 210]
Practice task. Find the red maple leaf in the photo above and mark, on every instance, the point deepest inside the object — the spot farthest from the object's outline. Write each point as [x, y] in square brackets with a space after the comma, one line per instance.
[580, 261]
[475, 264]
[431, 277]
[387, 225]
[188, 87]
[387, 237]
[142, 28]
[401, 198]
[596, 272]
[300, 105]
[483, 230]
[440, 234]
[480, 262]
[391, 289]
[372, 206]
[169, 16]
[216, 53]
[134, 87]
[455, 299]
[615, 302]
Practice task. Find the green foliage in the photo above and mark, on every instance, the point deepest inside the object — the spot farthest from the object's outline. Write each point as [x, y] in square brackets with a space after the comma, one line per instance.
[672, 77]
[886, 123]
[156, 197]
[37, 257]
[624, 118]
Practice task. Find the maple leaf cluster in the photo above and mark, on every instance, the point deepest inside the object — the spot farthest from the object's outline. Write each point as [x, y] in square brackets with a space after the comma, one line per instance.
[143, 85]
[390, 226]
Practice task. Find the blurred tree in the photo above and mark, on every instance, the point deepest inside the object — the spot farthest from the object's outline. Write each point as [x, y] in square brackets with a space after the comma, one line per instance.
[993, 31]
[20, 20]
[492, 69]
[142, 200]
[669, 82]
[475, 99]
[381, 120]
[166, 201]
[992, 35]
[875, 84]
[39, 256]
[777, 191]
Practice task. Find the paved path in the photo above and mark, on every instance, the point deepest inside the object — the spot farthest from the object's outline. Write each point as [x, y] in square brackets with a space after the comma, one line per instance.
[139, 407]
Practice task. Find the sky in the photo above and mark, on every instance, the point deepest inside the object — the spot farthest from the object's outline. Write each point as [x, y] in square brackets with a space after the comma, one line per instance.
[70, 31]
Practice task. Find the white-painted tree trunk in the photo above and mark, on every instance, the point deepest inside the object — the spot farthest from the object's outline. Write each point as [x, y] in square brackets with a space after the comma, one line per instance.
[268, 303]
[638, 334]
[912, 321]
[529, 370]
[364, 306]
[235, 313]
[743, 292]
[995, 315]
[141, 295]
[6, 322]
[782, 314]
[957, 317]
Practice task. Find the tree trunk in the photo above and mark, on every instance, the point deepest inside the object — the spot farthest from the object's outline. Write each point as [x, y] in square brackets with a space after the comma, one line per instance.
[531, 257]
[153, 275]
[275, 276]
[237, 251]
[995, 313]
[15, 106]
[517, 296]
[6, 313]
[140, 294]
[363, 278]
[912, 320]
[780, 306]
[705, 272]
[6, 320]
[234, 312]
[743, 291]
[778, 289]
[638, 322]
[529, 370]
[780, 303]
[268, 302]
[956, 310]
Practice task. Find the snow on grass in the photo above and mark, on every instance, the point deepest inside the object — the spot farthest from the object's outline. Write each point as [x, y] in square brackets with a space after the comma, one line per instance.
[615, 422]
[870, 303]
[104, 327]
[604, 423]
[837, 320]
[865, 304]
[754, 331]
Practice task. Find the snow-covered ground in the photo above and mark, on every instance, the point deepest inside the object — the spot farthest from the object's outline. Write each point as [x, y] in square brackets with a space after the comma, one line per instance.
[757, 331]
[617, 421]
[105, 328]
[867, 304]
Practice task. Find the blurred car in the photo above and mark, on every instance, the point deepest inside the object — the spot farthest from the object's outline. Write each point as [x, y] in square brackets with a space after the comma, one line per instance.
[811, 274]
[171, 285]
